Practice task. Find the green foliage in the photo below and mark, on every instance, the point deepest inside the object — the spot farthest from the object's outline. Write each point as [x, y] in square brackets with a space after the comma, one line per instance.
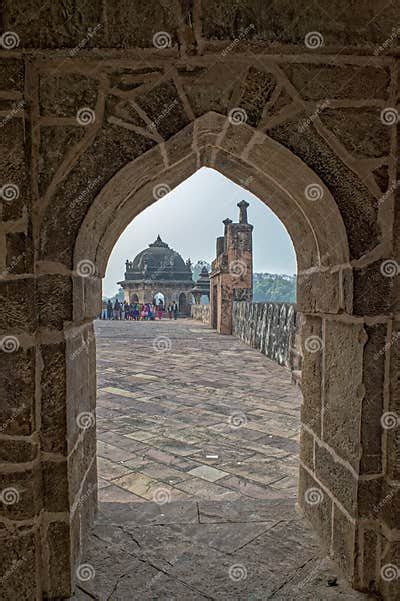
[274, 287]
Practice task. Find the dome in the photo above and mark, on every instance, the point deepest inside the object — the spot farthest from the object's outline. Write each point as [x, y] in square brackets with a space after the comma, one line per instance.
[158, 262]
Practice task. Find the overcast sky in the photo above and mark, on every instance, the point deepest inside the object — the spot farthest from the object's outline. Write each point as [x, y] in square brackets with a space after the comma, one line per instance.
[190, 218]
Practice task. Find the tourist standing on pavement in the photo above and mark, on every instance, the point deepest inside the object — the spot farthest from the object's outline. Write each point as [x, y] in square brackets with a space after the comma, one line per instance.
[136, 312]
[169, 309]
[160, 309]
[175, 310]
[109, 310]
[117, 309]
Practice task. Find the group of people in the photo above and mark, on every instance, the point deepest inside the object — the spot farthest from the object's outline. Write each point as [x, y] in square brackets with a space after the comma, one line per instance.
[136, 311]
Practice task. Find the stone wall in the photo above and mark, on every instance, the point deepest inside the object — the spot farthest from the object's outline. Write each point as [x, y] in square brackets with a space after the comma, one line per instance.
[103, 110]
[201, 313]
[268, 327]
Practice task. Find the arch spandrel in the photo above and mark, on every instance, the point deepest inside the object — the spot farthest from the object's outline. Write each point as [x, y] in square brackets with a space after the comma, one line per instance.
[264, 167]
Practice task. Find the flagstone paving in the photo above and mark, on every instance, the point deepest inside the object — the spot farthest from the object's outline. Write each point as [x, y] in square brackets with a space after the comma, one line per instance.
[197, 458]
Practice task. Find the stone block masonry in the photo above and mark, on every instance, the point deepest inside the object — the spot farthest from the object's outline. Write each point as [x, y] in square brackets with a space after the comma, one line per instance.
[201, 313]
[269, 328]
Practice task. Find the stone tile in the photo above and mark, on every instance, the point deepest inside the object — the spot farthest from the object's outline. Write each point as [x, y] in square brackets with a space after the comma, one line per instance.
[207, 473]
[115, 494]
[206, 490]
[149, 488]
[141, 435]
[109, 470]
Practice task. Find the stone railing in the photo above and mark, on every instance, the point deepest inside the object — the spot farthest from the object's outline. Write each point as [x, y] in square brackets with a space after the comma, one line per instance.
[201, 313]
[270, 328]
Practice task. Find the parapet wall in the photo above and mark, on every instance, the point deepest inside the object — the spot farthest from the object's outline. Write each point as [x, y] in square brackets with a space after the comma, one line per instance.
[201, 313]
[270, 328]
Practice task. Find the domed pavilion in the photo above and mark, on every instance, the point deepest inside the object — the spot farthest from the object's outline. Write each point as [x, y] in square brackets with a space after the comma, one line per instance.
[159, 273]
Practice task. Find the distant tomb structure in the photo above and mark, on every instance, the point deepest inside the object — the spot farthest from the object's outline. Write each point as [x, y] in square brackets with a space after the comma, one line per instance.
[159, 271]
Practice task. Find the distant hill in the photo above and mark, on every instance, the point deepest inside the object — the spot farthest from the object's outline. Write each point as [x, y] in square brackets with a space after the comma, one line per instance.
[274, 287]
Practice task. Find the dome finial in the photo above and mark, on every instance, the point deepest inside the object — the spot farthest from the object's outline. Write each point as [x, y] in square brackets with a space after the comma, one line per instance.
[159, 243]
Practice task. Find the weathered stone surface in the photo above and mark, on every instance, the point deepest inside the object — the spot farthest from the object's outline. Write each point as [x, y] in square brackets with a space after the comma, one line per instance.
[343, 542]
[55, 485]
[54, 300]
[201, 313]
[356, 81]
[17, 373]
[17, 451]
[196, 78]
[360, 213]
[337, 477]
[18, 310]
[311, 374]
[256, 91]
[373, 288]
[369, 136]
[20, 561]
[19, 257]
[58, 557]
[55, 143]
[117, 146]
[22, 493]
[344, 389]
[307, 449]
[372, 408]
[320, 512]
[268, 327]
[53, 380]
[63, 94]
[13, 167]
[164, 107]
[12, 74]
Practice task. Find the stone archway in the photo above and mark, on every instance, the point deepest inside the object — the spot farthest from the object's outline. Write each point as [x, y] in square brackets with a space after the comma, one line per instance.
[339, 211]
[319, 237]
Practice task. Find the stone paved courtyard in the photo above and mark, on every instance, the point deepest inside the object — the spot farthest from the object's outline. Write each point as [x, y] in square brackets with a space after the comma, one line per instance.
[197, 458]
